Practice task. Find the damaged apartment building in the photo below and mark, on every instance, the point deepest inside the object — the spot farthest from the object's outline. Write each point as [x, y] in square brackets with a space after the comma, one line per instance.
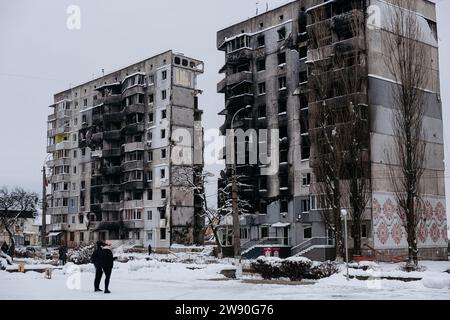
[111, 142]
[269, 60]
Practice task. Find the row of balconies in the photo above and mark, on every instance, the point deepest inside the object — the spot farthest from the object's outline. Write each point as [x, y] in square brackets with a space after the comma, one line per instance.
[233, 79]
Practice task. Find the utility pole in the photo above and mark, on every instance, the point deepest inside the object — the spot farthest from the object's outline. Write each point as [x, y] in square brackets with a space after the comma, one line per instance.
[44, 208]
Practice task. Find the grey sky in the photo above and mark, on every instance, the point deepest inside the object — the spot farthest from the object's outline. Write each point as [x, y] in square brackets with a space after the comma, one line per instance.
[39, 56]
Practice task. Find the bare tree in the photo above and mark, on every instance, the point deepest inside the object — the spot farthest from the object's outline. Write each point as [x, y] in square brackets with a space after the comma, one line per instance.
[191, 180]
[407, 60]
[14, 205]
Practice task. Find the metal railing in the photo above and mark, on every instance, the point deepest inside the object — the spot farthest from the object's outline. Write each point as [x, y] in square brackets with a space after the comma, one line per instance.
[317, 241]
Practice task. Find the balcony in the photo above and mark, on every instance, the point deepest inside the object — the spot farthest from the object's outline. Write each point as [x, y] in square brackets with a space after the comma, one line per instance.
[111, 206]
[134, 128]
[59, 146]
[59, 162]
[112, 135]
[132, 166]
[133, 204]
[238, 56]
[96, 207]
[134, 108]
[110, 153]
[113, 99]
[59, 227]
[64, 114]
[111, 171]
[133, 185]
[111, 188]
[57, 131]
[57, 210]
[97, 137]
[134, 224]
[240, 101]
[60, 178]
[51, 117]
[134, 146]
[233, 79]
[112, 117]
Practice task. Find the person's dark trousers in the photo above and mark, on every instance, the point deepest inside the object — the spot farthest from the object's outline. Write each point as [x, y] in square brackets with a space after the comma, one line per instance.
[98, 278]
[107, 272]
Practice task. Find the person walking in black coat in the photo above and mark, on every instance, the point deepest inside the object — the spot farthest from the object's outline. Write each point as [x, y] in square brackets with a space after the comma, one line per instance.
[96, 260]
[107, 266]
[103, 260]
[149, 249]
[63, 254]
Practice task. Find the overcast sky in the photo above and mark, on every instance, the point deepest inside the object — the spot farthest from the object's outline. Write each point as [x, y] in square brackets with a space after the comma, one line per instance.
[40, 56]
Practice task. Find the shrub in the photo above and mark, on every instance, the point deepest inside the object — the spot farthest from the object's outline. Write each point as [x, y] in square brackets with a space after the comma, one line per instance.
[80, 255]
[322, 270]
[268, 267]
[296, 268]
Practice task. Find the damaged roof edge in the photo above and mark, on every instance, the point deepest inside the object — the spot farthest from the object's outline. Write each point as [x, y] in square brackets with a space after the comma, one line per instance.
[115, 71]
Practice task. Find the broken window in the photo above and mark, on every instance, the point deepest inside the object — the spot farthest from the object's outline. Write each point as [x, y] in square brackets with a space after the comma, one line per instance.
[305, 147]
[177, 60]
[282, 106]
[284, 206]
[164, 75]
[185, 63]
[164, 94]
[163, 114]
[163, 133]
[261, 64]
[262, 111]
[303, 77]
[303, 52]
[306, 181]
[163, 153]
[261, 41]
[282, 34]
[163, 194]
[281, 83]
[307, 232]
[282, 58]
[151, 98]
[163, 234]
[262, 88]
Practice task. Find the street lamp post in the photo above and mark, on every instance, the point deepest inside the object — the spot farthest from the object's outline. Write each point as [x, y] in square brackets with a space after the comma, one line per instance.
[234, 193]
[344, 214]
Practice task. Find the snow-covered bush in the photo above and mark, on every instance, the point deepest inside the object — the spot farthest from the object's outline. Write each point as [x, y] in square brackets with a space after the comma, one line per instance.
[268, 267]
[296, 268]
[80, 255]
[322, 270]
[5, 260]
[23, 252]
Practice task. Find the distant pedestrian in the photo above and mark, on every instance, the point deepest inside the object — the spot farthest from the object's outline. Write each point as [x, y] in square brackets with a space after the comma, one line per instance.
[149, 249]
[63, 254]
[5, 247]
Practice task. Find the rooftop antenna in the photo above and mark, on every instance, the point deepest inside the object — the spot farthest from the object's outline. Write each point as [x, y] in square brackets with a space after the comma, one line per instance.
[257, 3]
[267, 6]
[103, 72]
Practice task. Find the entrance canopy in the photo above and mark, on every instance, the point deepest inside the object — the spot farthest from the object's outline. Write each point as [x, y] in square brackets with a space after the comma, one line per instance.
[280, 225]
[54, 234]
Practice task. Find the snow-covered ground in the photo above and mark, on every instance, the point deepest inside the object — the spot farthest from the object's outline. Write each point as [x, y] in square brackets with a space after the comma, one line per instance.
[199, 278]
